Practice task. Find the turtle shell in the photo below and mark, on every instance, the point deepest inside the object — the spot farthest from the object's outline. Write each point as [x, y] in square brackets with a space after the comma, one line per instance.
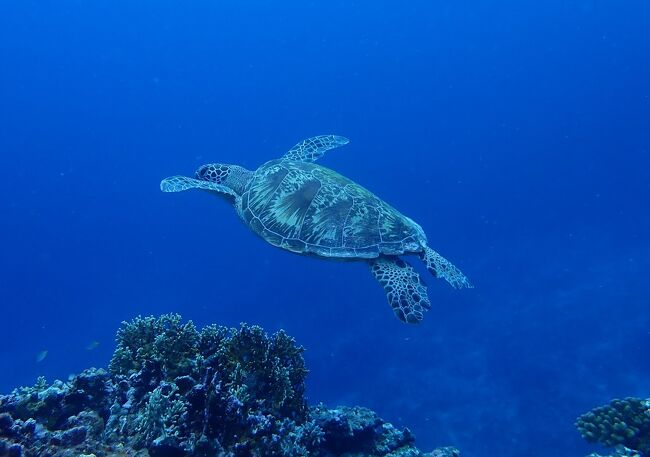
[306, 208]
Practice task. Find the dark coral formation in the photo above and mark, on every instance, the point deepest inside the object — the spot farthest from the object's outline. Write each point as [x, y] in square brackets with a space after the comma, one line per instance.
[620, 451]
[623, 423]
[172, 390]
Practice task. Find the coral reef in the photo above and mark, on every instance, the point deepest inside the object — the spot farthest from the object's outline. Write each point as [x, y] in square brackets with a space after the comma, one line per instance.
[620, 451]
[624, 424]
[621, 423]
[172, 390]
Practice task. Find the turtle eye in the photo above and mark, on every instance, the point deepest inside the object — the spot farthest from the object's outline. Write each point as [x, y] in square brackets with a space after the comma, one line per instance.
[212, 172]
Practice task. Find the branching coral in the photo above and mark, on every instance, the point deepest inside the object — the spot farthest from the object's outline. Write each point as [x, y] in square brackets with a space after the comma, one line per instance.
[175, 391]
[165, 342]
[239, 383]
[259, 368]
[162, 416]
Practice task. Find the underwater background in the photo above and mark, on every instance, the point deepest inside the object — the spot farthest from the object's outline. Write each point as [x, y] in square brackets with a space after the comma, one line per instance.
[516, 133]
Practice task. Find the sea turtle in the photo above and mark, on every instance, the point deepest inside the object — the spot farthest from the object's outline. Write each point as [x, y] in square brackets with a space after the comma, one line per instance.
[302, 207]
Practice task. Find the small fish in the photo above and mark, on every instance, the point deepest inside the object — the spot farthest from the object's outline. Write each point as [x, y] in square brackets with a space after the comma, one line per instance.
[92, 345]
[41, 356]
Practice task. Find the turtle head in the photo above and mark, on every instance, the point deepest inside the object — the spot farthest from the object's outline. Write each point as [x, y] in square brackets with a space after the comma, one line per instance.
[231, 176]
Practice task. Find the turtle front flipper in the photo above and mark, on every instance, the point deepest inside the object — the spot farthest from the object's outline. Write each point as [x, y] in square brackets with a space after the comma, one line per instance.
[405, 290]
[440, 267]
[181, 183]
[314, 148]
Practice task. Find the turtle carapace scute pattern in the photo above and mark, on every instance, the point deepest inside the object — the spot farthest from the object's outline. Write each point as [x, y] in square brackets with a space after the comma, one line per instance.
[298, 205]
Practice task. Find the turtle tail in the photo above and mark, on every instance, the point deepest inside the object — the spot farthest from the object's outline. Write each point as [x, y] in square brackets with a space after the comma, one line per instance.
[440, 267]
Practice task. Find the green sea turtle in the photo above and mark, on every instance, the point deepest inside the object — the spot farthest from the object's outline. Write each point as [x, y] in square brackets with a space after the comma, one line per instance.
[302, 207]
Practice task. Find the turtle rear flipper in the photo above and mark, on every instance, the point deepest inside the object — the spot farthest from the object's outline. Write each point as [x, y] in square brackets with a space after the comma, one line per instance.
[405, 290]
[440, 267]
[181, 183]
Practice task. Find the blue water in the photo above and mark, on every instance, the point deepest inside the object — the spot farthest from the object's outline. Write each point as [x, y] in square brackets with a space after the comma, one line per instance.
[516, 133]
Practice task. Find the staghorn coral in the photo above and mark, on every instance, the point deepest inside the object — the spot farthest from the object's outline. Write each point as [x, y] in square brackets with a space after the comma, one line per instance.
[165, 342]
[162, 416]
[173, 390]
[621, 423]
[258, 367]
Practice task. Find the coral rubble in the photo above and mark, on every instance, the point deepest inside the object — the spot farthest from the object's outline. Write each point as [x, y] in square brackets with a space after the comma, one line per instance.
[174, 391]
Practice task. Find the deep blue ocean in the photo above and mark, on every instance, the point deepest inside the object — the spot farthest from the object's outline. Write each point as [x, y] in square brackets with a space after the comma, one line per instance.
[516, 133]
